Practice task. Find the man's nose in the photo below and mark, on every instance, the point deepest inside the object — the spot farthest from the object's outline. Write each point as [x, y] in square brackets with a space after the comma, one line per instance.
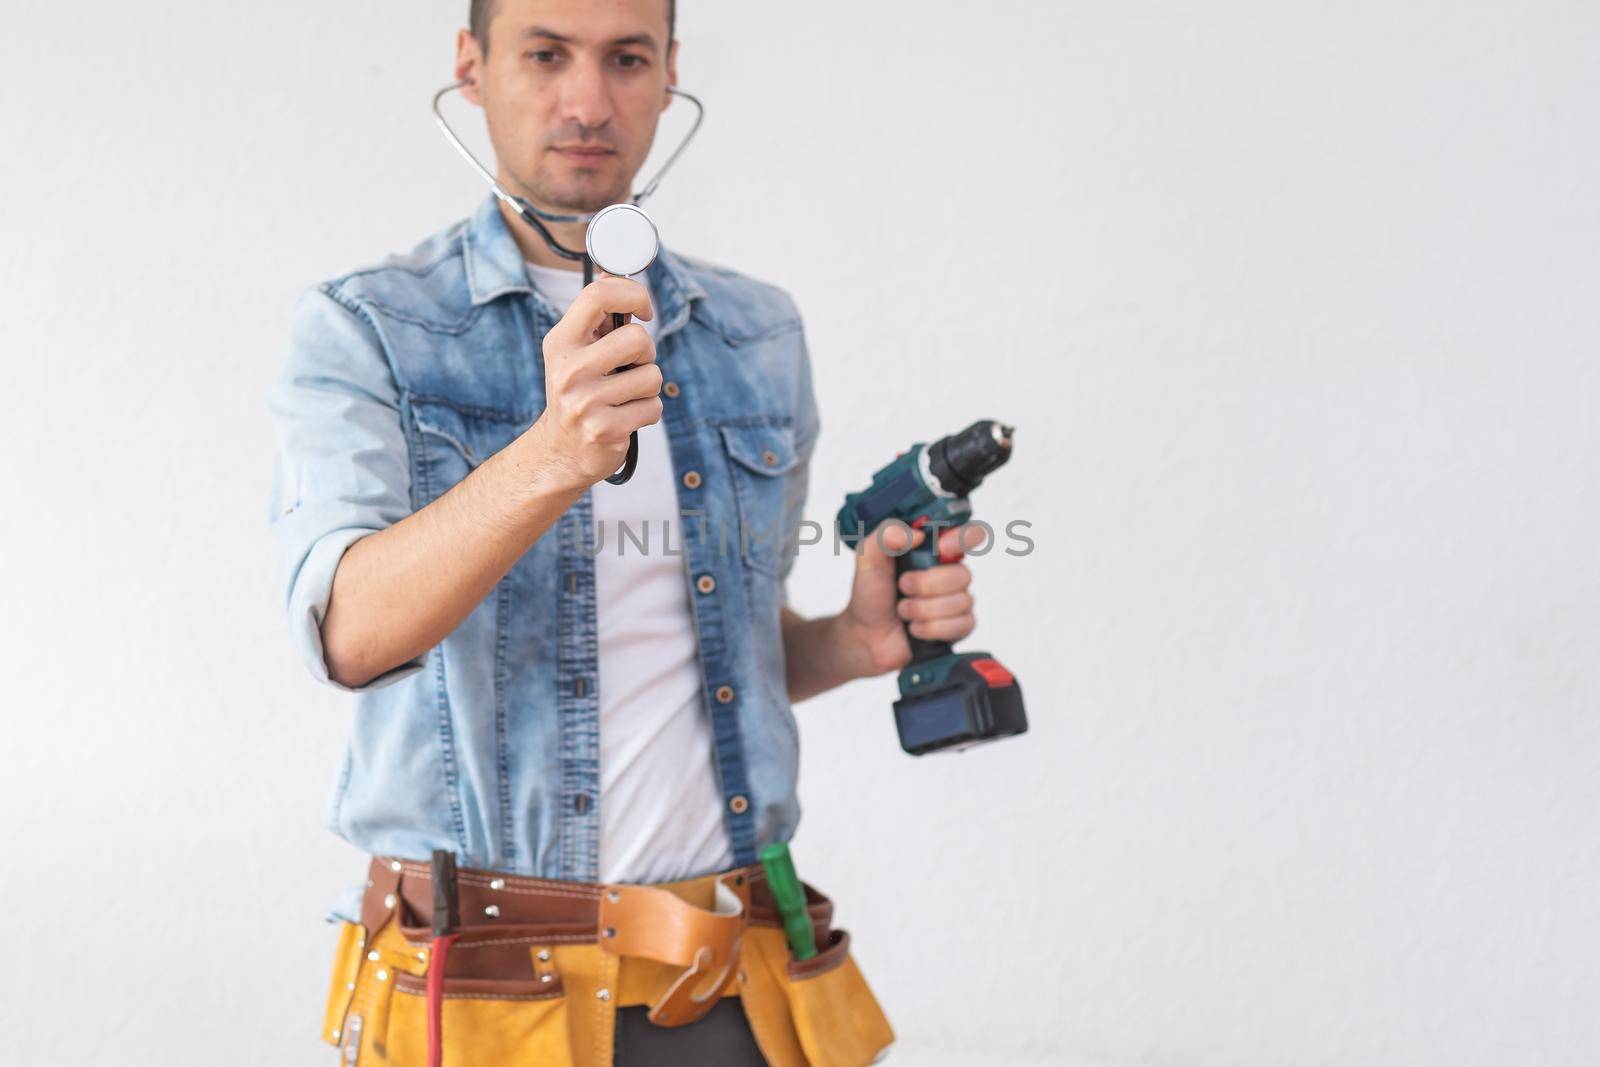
[585, 96]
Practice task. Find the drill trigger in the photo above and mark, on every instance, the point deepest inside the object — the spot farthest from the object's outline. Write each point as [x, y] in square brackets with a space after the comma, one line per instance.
[944, 557]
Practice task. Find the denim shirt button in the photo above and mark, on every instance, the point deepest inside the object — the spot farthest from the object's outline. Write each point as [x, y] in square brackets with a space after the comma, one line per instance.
[692, 479]
[724, 694]
[705, 583]
[671, 388]
[739, 804]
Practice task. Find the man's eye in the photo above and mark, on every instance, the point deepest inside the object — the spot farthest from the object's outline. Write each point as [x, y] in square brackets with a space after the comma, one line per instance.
[543, 55]
[631, 62]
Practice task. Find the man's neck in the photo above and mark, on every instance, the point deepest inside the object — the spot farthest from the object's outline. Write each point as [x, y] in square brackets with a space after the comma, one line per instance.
[533, 247]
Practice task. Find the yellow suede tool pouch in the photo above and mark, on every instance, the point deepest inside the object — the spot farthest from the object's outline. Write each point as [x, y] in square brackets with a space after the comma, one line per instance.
[818, 1012]
[503, 999]
[377, 1011]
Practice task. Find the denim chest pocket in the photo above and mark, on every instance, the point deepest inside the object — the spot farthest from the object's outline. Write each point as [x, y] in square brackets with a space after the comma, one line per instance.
[760, 455]
[449, 440]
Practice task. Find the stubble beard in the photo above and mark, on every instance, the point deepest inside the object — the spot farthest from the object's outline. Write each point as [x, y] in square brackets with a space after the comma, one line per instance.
[571, 197]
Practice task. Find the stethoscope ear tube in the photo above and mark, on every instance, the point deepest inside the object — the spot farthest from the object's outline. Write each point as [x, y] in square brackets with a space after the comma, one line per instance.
[528, 211]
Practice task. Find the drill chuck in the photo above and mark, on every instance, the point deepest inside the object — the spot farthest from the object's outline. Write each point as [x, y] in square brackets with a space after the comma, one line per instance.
[962, 460]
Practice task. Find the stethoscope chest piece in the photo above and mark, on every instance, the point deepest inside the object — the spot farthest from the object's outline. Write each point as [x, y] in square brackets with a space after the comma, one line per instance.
[622, 239]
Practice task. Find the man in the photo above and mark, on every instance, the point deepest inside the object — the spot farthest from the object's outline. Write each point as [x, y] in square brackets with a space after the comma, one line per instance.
[531, 698]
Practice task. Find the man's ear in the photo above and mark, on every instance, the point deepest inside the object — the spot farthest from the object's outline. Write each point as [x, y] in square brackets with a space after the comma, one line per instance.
[672, 72]
[469, 62]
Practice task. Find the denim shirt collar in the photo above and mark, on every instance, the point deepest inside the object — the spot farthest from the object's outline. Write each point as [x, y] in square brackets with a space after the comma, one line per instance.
[494, 267]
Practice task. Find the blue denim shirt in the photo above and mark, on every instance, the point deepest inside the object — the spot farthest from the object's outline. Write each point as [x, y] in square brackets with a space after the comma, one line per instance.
[403, 377]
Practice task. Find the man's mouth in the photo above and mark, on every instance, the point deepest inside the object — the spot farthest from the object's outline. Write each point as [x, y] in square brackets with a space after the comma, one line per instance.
[583, 153]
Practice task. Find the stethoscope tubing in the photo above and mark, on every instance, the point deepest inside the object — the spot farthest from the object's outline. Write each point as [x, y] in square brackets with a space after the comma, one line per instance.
[536, 217]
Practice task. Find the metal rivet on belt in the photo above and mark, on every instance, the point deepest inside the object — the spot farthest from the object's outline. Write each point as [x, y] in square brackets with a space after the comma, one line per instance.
[334, 1035]
[394, 865]
[374, 956]
[350, 986]
[544, 978]
[743, 978]
[493, 911]
[603, 994]
[497, 883]
[544, 955]
[382, 976]
[613, 896]
[388, 901]
[422, 957]
[611, 931]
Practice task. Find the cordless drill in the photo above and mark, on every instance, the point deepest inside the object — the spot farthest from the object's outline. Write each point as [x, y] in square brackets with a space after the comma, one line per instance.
[948, 699]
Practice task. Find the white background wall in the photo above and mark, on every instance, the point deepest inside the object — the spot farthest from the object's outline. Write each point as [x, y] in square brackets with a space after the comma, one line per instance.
[1294, 306]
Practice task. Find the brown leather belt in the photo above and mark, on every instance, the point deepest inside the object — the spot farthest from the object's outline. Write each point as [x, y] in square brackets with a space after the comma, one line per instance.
[503, 914]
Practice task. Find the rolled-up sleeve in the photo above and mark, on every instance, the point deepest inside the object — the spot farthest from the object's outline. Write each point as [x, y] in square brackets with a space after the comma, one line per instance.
[342, 463]
[807, 425]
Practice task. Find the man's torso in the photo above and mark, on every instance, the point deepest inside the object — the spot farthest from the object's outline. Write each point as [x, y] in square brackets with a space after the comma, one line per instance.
[492, 748]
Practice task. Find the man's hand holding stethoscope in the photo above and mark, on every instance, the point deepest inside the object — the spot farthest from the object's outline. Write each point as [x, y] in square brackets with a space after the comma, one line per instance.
[601, 381]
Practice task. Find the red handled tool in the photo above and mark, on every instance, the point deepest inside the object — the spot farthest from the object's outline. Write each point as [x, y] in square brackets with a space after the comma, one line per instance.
[446, 917]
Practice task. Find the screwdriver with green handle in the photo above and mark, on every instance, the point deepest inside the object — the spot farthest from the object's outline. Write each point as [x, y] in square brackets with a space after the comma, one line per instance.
[790, 897]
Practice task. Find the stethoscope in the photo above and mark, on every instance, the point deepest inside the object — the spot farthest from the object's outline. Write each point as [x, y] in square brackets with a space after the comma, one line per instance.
[621, 238]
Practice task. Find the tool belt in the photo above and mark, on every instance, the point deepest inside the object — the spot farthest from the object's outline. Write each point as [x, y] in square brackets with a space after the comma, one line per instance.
[536, 969]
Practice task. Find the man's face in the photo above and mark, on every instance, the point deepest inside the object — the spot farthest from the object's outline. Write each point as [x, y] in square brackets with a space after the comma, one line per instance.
[572, 91]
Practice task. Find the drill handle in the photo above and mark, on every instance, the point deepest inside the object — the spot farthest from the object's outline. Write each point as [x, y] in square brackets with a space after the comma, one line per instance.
[919, 558]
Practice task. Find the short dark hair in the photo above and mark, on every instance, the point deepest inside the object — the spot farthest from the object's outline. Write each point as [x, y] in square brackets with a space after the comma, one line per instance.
[482, 13]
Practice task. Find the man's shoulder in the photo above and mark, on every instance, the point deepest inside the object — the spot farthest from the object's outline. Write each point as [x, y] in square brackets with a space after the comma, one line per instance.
[429, 286]
[426, 285]
[740, 306]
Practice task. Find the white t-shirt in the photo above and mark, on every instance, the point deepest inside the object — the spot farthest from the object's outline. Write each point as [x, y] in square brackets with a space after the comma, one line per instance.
[660, 802]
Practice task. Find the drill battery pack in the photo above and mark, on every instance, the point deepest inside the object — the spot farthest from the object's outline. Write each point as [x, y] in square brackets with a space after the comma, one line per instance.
[957, 701]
